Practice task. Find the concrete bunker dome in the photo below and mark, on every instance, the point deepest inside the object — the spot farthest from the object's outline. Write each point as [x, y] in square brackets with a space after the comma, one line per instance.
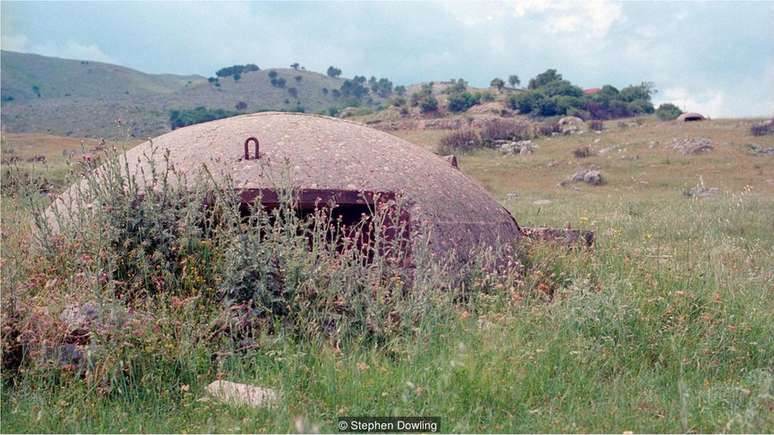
[329, 158]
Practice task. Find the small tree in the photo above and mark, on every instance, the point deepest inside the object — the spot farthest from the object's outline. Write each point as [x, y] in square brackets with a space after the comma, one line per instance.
[544, 78]
[497, 83]
[668, 112]
[295, 65]
[293, 92]
[428, 104]
[400, 90]
[240, 106]
[237, 76]
[514, 80]
[272, 74]
[333, 72]
[298, 79]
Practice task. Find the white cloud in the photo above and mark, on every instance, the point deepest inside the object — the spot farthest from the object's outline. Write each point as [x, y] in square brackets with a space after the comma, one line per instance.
[68, 50]
[711, 102]
[589, 19]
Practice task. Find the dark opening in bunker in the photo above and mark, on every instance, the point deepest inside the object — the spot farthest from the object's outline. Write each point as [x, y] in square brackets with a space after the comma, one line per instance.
[352, 211]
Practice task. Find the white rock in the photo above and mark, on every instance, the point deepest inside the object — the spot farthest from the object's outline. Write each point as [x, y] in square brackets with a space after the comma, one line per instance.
[243, 394]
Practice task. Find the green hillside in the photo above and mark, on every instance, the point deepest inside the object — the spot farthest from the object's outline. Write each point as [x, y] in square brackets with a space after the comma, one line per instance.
[83, 98]
[30, 77]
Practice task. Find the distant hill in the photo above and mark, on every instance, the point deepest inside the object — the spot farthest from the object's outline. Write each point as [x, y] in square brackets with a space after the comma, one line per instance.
[28, 77]
[84, 98]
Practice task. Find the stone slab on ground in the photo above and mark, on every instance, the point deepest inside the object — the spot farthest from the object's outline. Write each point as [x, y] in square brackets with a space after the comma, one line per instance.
[243, 394]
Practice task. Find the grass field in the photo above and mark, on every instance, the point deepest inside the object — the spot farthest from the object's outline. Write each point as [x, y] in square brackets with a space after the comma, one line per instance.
[665, 326]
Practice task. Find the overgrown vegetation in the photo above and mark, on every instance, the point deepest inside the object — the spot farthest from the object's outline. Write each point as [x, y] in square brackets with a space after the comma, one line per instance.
[424, 99]
[664, 326]
[463, 140]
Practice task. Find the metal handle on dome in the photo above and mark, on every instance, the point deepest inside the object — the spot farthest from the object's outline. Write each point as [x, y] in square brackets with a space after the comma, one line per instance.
[247, 146]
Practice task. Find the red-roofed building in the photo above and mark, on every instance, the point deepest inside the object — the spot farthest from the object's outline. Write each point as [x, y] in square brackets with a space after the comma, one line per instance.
[591, 91]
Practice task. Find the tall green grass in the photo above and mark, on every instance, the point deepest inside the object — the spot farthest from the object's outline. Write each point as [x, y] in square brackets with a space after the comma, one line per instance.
[665, 326]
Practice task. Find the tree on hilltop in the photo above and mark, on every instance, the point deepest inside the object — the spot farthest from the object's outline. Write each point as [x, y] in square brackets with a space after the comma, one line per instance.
[333, 71]
[497, 83]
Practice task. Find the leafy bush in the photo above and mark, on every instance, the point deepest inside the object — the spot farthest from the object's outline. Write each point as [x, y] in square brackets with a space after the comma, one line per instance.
[668, 112]
[240, 106]
[428, 104]
[424, 99]
[500, 129]
[182, 118]
[459, 141]
[462, 101]
[525, 102]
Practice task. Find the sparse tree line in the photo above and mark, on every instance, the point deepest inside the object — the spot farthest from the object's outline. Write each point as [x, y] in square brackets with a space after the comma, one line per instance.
[547, 94]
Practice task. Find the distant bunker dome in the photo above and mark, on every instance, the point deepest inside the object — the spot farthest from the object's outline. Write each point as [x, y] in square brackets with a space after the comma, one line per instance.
[691, 116]
[328, 159]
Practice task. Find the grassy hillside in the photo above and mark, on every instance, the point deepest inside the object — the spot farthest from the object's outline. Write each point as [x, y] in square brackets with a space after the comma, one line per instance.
[28, 77]
[665, 326]
[93, 99]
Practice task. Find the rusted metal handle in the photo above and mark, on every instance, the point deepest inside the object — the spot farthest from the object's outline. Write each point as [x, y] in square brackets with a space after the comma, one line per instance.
[247, 148]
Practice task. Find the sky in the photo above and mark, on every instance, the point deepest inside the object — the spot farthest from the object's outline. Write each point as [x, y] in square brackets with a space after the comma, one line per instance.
[716, 58]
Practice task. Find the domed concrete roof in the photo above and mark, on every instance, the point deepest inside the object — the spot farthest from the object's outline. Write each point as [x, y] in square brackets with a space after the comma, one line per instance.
[691, 116]
[322, 153]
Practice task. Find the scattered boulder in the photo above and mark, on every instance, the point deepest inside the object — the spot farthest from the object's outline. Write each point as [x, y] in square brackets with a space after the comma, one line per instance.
[700, 190]
[243, 394]
[762, 128]
[512, 195]
[583, 152]
[692, 146]
[571, 125]
[588, 176]
[567, 237]
[522, 147]
[760, 151]
[542, 202]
